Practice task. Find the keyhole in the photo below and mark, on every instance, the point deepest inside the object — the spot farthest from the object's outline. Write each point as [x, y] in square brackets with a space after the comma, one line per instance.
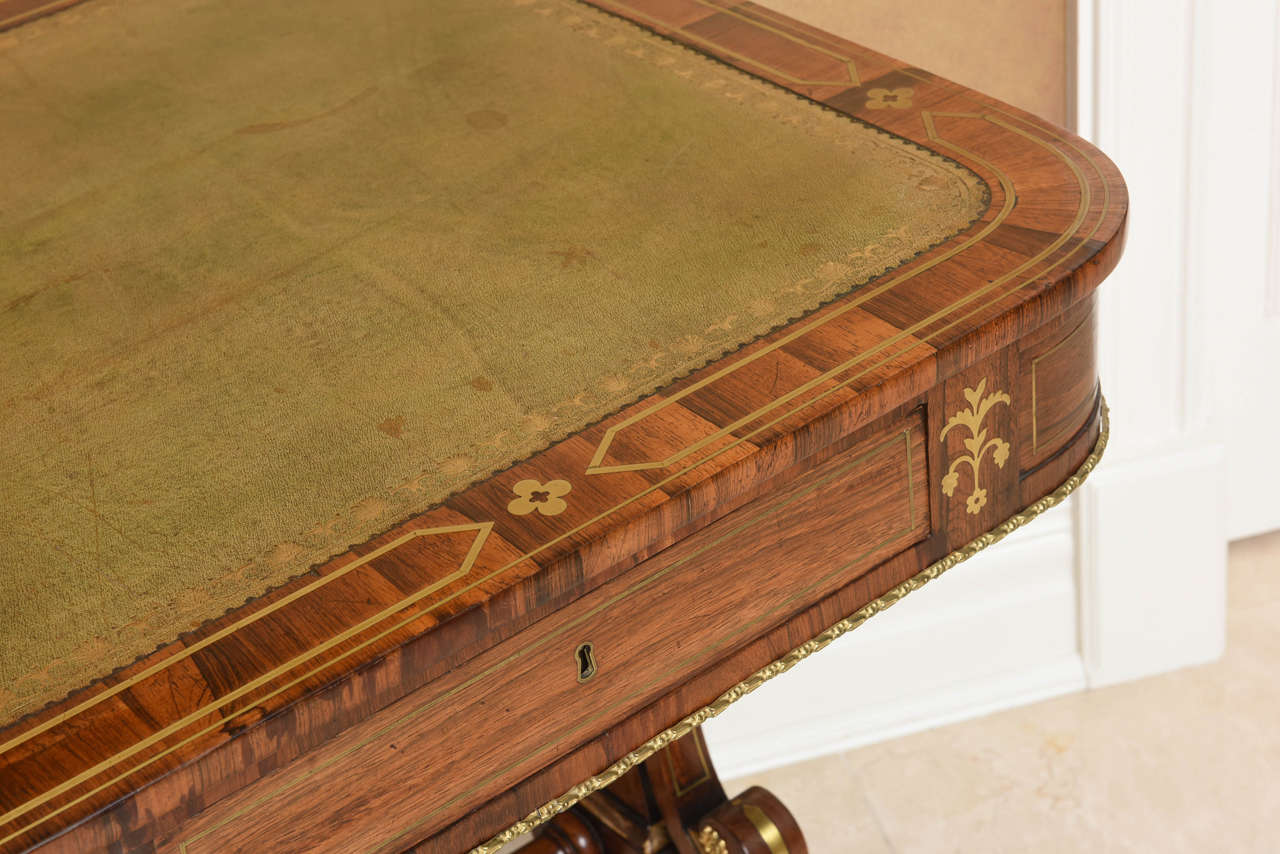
[586, 657]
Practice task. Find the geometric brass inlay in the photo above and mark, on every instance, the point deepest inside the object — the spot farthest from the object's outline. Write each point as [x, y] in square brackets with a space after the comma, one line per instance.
[977, 444]
[267, 679]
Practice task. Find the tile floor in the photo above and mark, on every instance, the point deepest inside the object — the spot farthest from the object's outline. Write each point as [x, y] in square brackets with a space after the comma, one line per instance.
[1185, 762]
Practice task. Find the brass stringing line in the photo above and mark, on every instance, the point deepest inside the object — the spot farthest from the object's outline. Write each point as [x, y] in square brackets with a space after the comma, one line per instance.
[640, 691]
[933, 136]
[853, 80]
[681, 791]
[795, 597]
[754, 519]
[781, 665]
[1047, 129]
[482, 530]
[1081, 215]
[706, 651]
[922, 268]
[855, 300]
[482, 527]
[151, 671]
[1034, 362]
[1081, 212]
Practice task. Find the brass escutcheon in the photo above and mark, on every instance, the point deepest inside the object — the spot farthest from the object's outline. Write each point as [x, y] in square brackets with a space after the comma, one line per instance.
[585, 656]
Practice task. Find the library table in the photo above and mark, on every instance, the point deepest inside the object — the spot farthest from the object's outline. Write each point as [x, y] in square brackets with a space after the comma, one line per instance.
[419, 418]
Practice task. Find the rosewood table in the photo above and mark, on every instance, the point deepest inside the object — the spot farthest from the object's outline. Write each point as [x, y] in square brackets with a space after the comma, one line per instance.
[419, 418]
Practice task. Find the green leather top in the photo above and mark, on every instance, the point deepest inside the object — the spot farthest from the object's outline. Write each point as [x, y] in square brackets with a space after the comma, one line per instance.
[277, 275]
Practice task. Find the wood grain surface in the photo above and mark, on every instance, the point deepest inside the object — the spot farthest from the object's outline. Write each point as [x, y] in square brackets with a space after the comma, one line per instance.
[422, 689]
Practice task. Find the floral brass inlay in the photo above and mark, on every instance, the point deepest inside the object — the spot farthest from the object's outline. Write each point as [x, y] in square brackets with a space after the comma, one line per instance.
[709, 842]
[977, 444]
[547, 498]
[898, 99]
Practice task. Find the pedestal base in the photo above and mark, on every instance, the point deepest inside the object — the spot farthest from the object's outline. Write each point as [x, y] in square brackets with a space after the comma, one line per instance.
[673, 804]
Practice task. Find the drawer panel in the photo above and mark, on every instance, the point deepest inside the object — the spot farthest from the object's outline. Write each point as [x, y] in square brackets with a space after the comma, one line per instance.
[1060, 374]
[475, 732]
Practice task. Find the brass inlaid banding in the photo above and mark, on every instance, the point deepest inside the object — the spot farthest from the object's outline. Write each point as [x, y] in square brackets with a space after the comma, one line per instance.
[766, 828]
[1035, 433]
[684, 789]
[858, 299]
[852, 80]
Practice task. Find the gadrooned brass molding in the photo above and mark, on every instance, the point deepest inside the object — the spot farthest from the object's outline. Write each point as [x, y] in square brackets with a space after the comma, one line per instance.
[553, 808]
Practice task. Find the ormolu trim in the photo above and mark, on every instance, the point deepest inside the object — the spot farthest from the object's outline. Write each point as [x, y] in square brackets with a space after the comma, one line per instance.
[553, 808]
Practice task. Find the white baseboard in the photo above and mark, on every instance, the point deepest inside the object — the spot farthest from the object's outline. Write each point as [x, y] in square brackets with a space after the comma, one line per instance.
[994, 633]
[1153, 563]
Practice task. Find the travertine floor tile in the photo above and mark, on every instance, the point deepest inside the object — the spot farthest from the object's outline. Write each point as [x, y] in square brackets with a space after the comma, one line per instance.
[1185, 762]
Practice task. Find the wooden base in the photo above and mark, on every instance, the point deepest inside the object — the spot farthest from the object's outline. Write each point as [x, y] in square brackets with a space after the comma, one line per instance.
[673, 803]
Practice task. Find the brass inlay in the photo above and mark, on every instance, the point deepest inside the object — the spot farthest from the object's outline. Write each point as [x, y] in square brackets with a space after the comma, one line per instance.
[482, 530]
[739, 631]
[596, 466]
[681, 791]
[696, 719]
[709, 842]
[766, 828]
[977, 444]
[897, 99]
[1035, 436]
[660, 25]
[585, 657]
[547, 498]
[1007, 186]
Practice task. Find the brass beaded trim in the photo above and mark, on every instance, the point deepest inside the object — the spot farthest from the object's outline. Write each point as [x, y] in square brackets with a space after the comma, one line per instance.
[553, 808]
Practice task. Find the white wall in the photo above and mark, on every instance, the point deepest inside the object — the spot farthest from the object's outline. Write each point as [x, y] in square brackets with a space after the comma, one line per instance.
[1128, 578]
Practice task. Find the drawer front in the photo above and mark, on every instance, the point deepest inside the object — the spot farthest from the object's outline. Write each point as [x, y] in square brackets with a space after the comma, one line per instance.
[1059, 376]
[472, 734]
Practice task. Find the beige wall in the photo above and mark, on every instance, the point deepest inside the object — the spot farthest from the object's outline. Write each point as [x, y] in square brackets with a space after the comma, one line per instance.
[1016, 50]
